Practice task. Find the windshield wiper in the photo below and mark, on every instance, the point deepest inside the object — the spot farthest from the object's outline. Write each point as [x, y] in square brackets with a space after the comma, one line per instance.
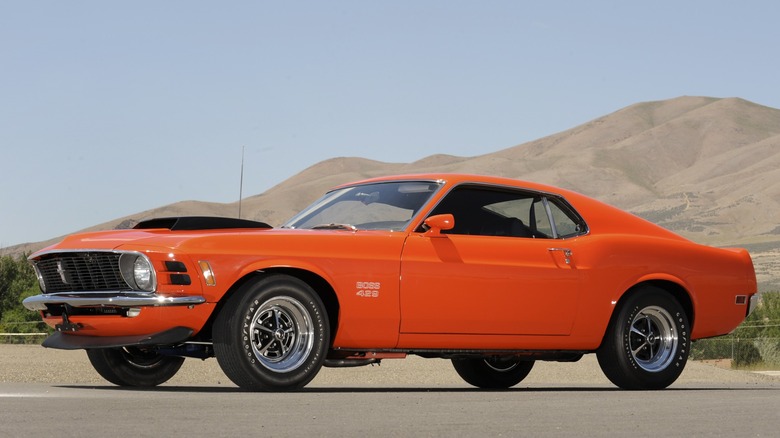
[335, 227]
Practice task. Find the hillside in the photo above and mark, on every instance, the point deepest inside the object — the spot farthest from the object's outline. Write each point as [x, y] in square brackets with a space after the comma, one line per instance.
[706, 168]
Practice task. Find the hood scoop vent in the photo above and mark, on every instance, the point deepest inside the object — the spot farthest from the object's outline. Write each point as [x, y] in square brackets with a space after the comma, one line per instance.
[191, 223]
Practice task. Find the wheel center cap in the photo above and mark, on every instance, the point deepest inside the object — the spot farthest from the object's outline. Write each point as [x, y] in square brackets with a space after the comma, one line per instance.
[278, 334]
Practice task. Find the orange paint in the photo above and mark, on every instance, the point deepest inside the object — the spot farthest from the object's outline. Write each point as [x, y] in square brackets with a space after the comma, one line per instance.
[408, 290]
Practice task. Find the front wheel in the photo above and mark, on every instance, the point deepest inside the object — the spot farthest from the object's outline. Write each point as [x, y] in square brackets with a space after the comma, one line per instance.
[492, 372]
[133, 366]
[647, 343]
[272, 334]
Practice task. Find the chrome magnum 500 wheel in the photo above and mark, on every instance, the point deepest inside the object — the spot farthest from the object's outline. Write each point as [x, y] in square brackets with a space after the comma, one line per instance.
[492, 372]
[647, 343]
[272, 335]
[132, 366]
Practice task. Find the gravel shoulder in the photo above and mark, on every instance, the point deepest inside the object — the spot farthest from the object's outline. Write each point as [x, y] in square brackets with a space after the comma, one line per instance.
[35, 364]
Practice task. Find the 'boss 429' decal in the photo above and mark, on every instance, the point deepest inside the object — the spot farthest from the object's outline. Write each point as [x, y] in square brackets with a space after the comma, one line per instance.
[368, 289]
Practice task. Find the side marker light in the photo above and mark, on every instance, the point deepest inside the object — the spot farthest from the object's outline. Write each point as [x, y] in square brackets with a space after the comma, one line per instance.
[208, 274]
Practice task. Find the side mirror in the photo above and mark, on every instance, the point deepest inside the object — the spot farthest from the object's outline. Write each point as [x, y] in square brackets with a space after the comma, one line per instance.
[437, 224]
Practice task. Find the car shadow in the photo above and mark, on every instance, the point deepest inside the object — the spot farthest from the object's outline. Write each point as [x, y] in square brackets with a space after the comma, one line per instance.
[400, 390]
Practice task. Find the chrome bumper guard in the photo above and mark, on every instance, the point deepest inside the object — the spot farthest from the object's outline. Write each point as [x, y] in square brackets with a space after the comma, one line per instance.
[752, 304]
[127, 299]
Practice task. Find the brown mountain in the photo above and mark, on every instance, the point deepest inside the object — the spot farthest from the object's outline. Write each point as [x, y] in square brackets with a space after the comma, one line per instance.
[706, 168]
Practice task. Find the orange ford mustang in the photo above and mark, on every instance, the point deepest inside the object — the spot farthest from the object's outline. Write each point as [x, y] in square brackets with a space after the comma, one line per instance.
[491, 273]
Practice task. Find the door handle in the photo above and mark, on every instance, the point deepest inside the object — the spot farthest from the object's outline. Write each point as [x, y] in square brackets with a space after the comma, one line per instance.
[566, 253]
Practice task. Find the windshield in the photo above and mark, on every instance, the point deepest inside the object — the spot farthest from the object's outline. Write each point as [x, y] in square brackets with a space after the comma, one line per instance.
[380, 206]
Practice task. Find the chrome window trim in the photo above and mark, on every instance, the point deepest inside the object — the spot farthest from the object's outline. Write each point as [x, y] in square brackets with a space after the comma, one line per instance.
[411, 223]
[550, 218]
[543, 194]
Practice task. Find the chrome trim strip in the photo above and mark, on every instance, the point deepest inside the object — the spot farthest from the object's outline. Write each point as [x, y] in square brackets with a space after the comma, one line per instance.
[39, 302]
[411, 224]
[550, 218]
[43, 252]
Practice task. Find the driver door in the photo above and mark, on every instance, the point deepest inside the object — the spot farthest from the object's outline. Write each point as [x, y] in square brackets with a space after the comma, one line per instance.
[499, 270]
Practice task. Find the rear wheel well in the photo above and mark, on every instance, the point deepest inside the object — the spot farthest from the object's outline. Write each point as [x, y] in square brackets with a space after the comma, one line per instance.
[320, 286]
[673, 289]
[647, 343]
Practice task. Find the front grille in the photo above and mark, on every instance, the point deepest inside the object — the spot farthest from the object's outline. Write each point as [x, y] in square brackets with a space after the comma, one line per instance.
[81, 272]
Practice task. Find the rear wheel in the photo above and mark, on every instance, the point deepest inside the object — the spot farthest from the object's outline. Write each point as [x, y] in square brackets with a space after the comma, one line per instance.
[492, 372]
[647, 343]
[273, 334]
[133, 366]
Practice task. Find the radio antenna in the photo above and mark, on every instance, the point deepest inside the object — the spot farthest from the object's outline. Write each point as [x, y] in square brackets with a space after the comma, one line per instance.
[241, 183]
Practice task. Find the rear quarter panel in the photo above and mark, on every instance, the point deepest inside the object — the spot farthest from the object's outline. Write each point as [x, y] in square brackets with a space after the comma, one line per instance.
[622, 251]
[611, 265]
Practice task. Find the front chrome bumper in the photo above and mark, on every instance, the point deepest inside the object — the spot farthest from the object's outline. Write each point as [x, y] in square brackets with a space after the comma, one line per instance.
[118, 299]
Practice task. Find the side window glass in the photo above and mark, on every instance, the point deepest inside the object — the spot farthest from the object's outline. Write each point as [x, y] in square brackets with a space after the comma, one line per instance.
[495, 211]
[486, 211]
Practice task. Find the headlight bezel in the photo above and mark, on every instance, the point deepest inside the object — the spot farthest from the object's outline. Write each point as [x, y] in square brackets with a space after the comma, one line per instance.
[138, 271]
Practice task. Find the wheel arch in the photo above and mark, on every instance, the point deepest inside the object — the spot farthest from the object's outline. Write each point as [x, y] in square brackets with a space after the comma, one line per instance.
[628, 360]
[676, 290]
[320, 286]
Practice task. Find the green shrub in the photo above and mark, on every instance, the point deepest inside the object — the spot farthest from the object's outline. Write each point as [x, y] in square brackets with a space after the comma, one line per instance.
[17, 282]
[769, 349]
[755, 341]
[715, 348]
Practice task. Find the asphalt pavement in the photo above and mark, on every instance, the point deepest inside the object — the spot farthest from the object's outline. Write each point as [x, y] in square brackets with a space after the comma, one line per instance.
[50, 392]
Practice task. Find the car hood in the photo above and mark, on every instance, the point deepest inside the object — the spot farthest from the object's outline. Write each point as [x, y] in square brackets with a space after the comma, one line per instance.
[160, 238]
[164, 239]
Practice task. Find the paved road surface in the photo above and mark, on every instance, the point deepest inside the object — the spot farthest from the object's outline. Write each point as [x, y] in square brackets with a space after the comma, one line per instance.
[55, 393]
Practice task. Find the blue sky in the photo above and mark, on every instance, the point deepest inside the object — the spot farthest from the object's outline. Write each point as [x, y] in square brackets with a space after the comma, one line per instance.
[112, 108]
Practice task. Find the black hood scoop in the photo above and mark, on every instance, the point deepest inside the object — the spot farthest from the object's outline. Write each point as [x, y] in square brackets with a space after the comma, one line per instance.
[191, 223]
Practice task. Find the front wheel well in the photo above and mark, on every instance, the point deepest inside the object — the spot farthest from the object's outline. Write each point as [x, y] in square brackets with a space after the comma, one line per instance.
[325, 291]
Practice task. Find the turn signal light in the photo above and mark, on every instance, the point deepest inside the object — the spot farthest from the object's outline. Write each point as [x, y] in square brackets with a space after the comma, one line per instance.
[208, 274]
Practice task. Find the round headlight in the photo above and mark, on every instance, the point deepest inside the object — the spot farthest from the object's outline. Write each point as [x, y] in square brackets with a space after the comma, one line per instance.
[143, 274]
[137, 272]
